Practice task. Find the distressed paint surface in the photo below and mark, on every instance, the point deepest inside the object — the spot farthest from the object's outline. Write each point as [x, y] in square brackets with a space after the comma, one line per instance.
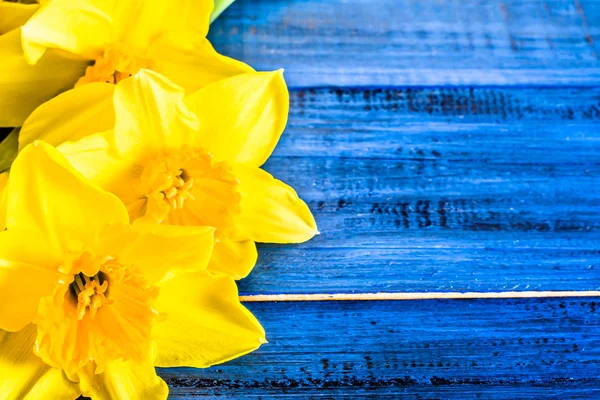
[440, 189]
[443, 146]
[425, 349]
[409, 42]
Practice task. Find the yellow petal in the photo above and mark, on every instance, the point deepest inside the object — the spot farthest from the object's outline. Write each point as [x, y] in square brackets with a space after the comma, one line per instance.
[26, 376]
[205, 324]
[124, 380]
[28, 271]
[242, 117]
[144, 21]
[161, 249]
[271, 210]
[95, 158]
[24, 86]
[194, 68]
[150, 113]
[233, 258]
[71, 116]
[13, 15]
[46, 195]
[79, 27]
[3, 191]
[86, 27]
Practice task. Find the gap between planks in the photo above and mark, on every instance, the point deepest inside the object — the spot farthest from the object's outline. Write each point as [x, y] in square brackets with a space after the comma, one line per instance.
[414, 296]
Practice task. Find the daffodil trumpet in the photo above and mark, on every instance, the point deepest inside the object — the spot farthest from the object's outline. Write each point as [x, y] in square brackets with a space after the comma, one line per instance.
[92, 304]
[189, 159]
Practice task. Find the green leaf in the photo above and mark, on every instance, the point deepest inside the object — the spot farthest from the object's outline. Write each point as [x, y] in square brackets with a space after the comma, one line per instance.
[220, 6]
[9, 149]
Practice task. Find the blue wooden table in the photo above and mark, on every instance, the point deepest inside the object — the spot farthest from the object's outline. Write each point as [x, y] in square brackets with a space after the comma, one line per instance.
[450, 151]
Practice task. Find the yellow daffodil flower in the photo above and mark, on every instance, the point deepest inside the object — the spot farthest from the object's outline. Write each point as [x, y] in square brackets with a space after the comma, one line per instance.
[92, 304]
[191, 160]
[23, 86]
[83, 41]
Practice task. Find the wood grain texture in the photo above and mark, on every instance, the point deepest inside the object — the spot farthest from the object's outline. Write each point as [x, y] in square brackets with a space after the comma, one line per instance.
[412, 42]
[523, 348]
[564, 390]
[440, 189]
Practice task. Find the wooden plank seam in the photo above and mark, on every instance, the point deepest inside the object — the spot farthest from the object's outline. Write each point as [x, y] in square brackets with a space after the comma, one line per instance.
[415, 296]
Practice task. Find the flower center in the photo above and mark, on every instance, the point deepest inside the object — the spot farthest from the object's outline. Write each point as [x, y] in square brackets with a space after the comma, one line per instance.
[101, 310]
[167, 185]
[187, 187]
[89, 293]
[175, 188]
[113, 66]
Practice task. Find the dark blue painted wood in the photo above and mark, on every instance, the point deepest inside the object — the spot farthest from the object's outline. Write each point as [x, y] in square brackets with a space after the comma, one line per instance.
[428, 189]
[414, 42]
[494, 349]
[563, 390]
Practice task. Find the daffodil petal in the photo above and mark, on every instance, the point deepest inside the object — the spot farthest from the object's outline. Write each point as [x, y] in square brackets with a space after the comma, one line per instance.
[24, 86]
[13, 15]
[242, 117]
[162, 249]
[150, 113]
[3, 197]
[271, 212]
[196, 67]
[26, 376]
[46, 195]
[95, 158]
[90, 110]
[145, 21]
[124, 380]
[233, 258]
[205, 324]
[25, 276]
[79, 27]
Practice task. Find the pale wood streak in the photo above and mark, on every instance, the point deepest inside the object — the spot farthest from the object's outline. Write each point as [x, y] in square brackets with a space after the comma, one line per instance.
[414, 296]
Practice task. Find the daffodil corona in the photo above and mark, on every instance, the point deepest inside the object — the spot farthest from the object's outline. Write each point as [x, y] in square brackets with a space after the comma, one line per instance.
[78, 42]
[193, 160]
[98, 303]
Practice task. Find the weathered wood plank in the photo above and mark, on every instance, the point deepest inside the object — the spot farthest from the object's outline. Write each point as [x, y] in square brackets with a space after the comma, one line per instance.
[564, 390]
[413, 42]
[433, 189]
[458, 349]
[558, 391]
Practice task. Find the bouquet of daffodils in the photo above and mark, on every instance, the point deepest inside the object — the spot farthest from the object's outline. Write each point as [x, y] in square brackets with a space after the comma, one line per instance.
[131, 195]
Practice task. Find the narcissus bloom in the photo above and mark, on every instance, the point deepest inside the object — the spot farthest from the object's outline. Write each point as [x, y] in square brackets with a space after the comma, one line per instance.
[103, 41]
[91, 304]
[192, 160]
[23, 86]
